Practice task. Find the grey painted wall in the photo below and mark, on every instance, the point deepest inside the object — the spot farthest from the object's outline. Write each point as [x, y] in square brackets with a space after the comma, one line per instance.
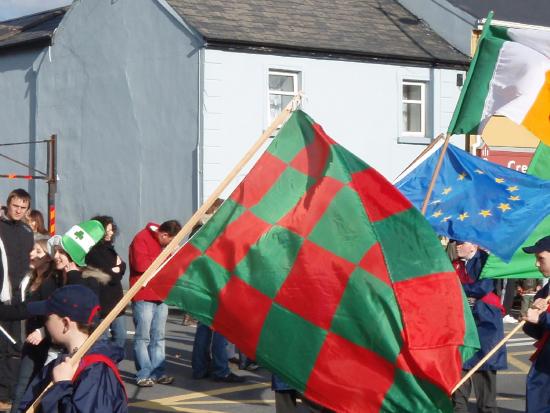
[119, 87]
[450, 22]
[18, 107]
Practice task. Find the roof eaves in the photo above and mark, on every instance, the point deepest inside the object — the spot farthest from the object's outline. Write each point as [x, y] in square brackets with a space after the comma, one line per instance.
[285, 49]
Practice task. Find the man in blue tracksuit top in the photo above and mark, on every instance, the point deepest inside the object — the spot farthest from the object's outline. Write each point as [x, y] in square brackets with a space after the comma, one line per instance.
[94, 385]
[538, 326]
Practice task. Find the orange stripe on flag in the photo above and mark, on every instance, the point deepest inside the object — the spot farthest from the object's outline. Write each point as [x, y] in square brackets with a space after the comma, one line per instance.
[537, 119]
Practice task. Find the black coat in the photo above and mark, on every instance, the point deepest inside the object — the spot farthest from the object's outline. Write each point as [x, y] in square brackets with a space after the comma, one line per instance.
[18, 240]
[103, 257]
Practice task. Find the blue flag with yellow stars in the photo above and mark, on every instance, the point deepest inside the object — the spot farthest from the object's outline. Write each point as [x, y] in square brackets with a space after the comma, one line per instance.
[478, 201]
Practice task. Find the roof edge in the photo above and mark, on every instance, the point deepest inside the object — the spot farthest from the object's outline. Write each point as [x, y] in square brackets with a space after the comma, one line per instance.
[265, 48]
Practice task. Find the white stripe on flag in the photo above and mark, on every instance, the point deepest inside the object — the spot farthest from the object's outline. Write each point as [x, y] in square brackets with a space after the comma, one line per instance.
[81, 237]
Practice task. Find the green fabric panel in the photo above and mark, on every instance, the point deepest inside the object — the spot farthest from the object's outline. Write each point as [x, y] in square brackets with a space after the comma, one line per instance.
[228, 212]
[472, 100]
[368, 315]
[344, 229]
[342, 164]
[197, 290]
[283, 195]
[296, 134]
[290, 341]
[269, 261]
[412, 394]
[522, 265]
[410, 246]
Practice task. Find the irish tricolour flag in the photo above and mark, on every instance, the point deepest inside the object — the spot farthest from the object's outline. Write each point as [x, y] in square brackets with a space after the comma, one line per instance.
[508, 76]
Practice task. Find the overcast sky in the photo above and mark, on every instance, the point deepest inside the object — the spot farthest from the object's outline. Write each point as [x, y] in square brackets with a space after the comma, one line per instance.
[10, 9]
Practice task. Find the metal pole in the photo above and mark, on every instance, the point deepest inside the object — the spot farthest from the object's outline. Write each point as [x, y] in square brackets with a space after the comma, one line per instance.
[52, 182]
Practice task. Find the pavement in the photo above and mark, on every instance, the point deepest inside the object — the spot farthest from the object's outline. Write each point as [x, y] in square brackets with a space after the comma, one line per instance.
[255, 395]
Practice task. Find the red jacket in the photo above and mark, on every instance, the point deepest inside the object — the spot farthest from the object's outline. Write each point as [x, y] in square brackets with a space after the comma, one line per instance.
[143, 251]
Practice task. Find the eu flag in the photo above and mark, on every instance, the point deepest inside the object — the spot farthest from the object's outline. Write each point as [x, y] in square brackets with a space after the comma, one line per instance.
[479, 201]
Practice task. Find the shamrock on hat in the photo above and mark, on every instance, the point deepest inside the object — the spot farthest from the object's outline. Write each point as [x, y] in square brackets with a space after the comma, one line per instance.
[78, 241]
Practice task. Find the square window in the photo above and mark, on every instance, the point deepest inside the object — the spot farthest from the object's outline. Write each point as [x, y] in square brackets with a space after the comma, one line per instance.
[283, 86]
[413, 109]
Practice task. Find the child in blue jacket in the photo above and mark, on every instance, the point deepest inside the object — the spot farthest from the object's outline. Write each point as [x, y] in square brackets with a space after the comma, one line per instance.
[94, 385]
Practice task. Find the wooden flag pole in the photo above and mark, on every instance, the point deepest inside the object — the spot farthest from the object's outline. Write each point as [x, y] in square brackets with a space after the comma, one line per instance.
[186, 229]
[426, 149]
[436, 174]
[488, 356]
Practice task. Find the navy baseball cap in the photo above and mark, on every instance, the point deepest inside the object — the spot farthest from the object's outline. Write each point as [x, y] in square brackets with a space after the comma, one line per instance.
[75, 301]
[541, 245]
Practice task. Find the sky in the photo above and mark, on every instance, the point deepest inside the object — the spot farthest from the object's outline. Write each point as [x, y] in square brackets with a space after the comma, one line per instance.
[10, 9]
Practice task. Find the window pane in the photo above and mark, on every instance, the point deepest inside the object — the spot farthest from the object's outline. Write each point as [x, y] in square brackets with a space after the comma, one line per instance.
[412, 117]
[412, 92]
[281, 82]
[277, 103]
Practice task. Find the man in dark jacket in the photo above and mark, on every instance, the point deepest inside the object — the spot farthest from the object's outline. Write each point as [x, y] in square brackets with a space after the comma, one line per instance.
[538, 326]
[17, 239]
[487, 311]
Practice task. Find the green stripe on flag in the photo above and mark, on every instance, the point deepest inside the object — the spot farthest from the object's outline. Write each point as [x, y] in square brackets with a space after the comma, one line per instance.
[522, 265]
[469, 110]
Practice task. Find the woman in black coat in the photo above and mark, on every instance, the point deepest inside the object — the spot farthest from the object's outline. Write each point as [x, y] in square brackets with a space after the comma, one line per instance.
[104, 257]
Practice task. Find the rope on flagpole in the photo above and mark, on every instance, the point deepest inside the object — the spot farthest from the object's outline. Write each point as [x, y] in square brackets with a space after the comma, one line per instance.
[163, 257]
[436, 173]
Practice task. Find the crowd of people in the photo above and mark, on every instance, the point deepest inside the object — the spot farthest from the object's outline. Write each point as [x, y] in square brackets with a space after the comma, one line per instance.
[59, 288]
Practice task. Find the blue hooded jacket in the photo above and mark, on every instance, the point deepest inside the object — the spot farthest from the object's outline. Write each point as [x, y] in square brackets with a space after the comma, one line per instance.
[96, 389]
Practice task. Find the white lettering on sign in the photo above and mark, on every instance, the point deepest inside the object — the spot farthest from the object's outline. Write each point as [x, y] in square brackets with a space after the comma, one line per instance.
[518, 167]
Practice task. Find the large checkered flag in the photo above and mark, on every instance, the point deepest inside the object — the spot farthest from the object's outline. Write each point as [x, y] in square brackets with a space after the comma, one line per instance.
[321, 271]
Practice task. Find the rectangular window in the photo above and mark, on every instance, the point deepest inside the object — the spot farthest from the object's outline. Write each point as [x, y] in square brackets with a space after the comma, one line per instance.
[414, 109]
[283, 86]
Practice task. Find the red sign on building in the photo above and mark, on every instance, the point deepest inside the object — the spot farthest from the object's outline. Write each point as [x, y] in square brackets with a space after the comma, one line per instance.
[517, 159]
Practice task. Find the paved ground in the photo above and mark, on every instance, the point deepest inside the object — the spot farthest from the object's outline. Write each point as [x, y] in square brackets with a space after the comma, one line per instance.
[255, 396]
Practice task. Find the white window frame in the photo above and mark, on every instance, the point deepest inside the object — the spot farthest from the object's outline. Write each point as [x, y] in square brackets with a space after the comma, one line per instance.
[423, 108]
[280, 72]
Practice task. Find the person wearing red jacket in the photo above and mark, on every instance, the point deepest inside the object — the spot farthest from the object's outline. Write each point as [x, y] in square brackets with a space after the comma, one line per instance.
[149, 312]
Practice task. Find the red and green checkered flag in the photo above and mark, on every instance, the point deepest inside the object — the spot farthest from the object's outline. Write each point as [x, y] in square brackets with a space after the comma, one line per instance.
[321, 271]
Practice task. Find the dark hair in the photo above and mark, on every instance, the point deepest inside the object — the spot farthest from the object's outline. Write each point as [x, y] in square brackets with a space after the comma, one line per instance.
[19, 193]
[37, 217]
[106, 220]
[171, 227]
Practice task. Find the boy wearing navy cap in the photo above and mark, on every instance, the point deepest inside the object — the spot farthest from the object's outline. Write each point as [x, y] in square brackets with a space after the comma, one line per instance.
[95, 384]
[538, 326]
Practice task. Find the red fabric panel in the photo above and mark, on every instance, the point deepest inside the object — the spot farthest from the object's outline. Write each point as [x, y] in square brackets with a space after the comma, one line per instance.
[241, 311]
[374, 263]
[356, 379]
[441, 366]
[315, 284]
[175, 268]
[259, 180]
[233, 244]
[90, 359]
[429, 307]
[313, 158]
[311, 207]
[379, 197]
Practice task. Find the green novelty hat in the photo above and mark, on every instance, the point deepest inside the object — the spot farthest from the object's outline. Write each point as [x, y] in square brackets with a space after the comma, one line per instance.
[78, 241]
